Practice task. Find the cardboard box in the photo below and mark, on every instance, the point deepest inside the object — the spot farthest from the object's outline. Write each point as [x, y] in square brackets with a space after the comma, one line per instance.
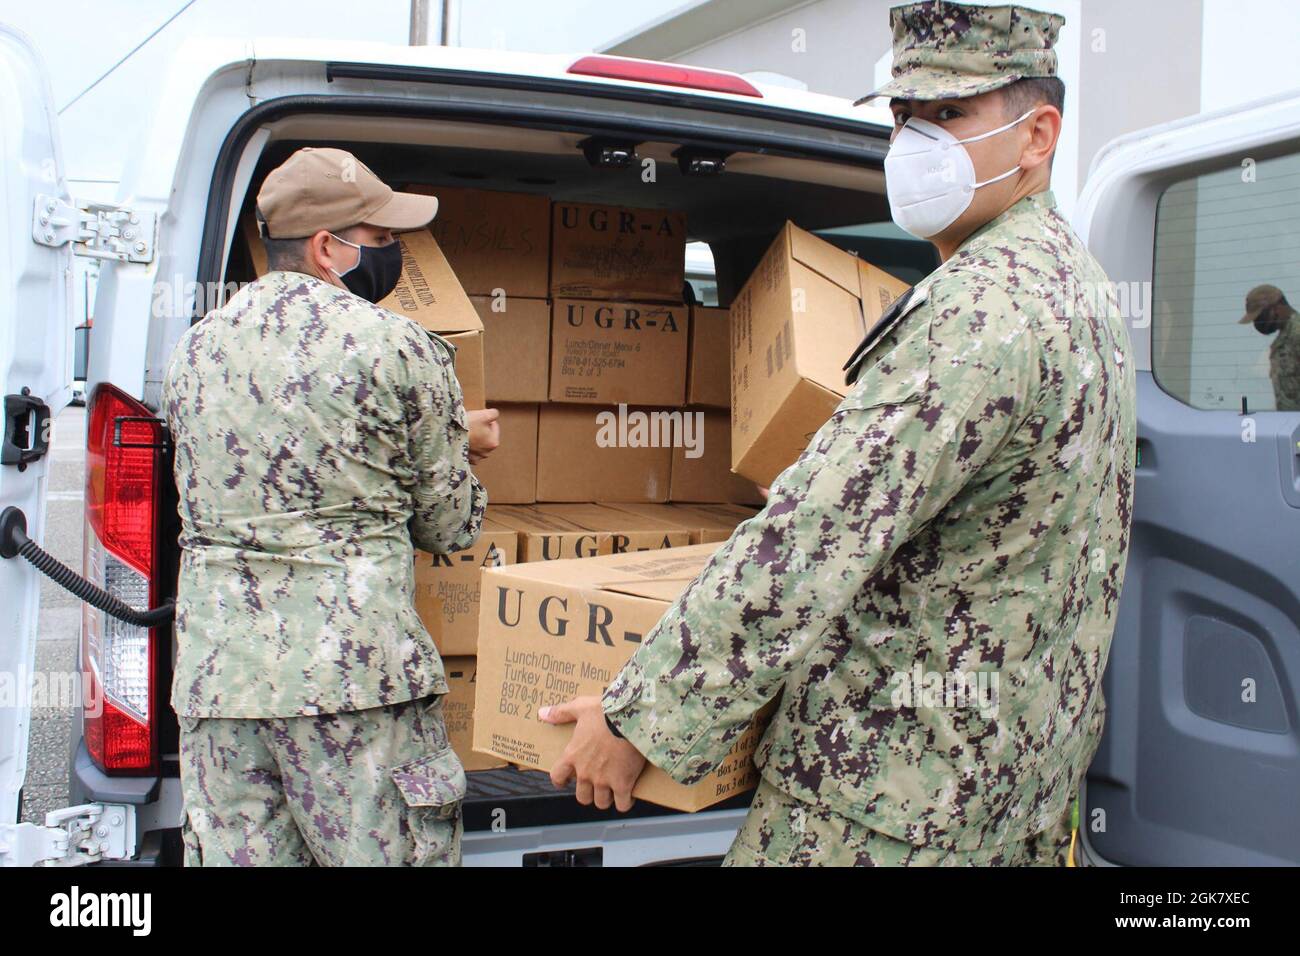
[516, 347]
[469, 368]
[428, 290]
[494, 240]
[706, 523]
[447, 587]
[620, 531]
[613, 252]
[709, 477]
[561, 629]
[458, 712]
[429, 293]
[584, 455]
[551, 532]
[793, 325]
[708, 376]
[547, 537]
[608, 352]
[510, 473]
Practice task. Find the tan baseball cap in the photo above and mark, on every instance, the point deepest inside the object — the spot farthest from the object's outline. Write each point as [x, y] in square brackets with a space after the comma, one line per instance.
[1260, 298]
[320, 187]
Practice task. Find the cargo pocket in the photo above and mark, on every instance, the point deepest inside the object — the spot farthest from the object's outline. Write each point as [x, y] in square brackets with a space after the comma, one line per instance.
[433, 788]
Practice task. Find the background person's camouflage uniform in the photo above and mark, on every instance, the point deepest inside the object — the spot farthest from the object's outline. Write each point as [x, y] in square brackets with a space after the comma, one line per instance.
[317, 437]
[1284, 365]
[1268, 310]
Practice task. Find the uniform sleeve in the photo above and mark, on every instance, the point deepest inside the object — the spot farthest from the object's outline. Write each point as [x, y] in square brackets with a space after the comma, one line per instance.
[448, 501]
[894, 453]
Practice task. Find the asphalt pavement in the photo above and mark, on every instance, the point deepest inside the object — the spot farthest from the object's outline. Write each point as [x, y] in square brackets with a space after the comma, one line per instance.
[50, 748]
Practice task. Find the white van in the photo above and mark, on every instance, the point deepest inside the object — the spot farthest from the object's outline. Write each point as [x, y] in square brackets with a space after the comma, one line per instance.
[1190, 770]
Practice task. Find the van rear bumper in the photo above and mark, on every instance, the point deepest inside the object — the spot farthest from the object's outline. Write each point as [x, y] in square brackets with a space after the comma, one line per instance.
[159, 848]
[92, 785]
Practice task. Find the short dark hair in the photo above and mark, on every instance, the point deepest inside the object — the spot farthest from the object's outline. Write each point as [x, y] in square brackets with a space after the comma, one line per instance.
[285, 255]
[290, 255]
[1024, 94]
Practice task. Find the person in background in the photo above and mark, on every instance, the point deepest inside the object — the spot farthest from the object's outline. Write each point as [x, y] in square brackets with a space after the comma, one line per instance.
[1269, 312]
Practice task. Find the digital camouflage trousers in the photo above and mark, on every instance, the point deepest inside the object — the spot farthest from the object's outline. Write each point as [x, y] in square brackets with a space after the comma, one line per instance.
[377, 787]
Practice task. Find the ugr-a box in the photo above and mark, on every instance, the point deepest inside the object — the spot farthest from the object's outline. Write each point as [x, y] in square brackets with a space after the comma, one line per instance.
[555, 630]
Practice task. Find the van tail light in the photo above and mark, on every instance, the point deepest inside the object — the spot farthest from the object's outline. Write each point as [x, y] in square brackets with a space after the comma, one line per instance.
[664, 74]
[123, 465]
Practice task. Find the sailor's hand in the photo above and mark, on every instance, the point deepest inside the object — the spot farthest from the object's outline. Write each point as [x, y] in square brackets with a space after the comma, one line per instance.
[606, 767]
[484, 433]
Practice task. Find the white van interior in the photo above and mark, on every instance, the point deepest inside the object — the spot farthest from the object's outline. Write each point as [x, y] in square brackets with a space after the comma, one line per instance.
[736, 212]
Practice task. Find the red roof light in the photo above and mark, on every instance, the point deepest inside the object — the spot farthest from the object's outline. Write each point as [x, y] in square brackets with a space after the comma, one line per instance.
[664, 74]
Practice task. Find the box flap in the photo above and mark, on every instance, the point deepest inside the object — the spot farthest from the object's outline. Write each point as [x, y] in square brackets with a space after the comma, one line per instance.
[825, 259]
[666, 590]
[428, 290]
[879, 290]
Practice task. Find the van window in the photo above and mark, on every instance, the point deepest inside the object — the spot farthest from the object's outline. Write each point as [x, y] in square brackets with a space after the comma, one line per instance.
[1227, 270]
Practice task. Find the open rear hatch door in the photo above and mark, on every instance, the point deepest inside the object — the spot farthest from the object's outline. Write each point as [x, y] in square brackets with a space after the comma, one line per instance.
[1200, 761]
[35, 375]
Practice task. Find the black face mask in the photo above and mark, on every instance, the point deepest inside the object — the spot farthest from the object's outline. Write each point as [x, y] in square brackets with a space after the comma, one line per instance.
[377, 270]
[1266, 323]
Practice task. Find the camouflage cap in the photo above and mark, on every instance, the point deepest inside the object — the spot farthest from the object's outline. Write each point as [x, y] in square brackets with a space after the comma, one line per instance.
[1260, 298]
[944, 50]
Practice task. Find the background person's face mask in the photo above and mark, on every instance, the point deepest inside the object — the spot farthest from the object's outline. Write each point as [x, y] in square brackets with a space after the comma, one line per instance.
[377, 270]
[930, 178]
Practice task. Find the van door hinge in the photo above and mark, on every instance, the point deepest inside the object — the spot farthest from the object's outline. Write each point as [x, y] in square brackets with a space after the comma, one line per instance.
[98, 230]
[71, 837]
[26, 435]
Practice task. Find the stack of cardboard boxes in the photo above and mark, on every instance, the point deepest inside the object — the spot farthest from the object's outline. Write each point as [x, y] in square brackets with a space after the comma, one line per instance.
[578, 310]
[631, 422]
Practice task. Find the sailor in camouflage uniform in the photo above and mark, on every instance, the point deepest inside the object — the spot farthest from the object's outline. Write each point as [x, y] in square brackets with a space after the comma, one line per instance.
[1268, 310]
[318, 438]
[933, 584]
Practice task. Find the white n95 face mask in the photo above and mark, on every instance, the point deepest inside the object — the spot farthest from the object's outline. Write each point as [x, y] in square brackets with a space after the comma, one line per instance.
[930, 178]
